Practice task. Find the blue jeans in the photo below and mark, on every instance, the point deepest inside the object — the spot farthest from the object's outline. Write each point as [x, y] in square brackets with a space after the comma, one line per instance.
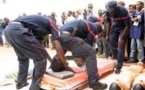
[80, 48]
[116, 51]
[1, 40]
[137, 44]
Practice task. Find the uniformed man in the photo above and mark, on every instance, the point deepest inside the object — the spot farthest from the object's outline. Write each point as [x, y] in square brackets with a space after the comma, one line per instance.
[22, 34]
[118, 27]
[78, 36]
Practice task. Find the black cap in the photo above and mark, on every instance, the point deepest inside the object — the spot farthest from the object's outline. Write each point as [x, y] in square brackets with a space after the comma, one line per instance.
[111, 5]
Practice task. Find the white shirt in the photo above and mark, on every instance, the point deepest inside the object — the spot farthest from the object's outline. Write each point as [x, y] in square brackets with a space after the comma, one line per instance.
[70, 18]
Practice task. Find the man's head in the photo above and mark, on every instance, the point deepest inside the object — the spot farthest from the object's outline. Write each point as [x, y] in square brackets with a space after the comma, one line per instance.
[122, 3]
[139, 5]
[111, 6]
[56, 65]
[100, 12]
[69, 13]
[90, 7]
[93, 19]
[53, 14]
[131, 8]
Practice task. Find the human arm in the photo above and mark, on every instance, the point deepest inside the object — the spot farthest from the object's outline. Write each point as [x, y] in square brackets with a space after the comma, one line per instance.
[109, 24]
[55, 35]
[126, 18]
[60, 54]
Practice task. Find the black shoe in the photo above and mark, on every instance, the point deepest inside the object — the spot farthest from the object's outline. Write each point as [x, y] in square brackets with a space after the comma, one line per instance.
[19, 86]
[131, 60]
[117, 71]
[99, 86]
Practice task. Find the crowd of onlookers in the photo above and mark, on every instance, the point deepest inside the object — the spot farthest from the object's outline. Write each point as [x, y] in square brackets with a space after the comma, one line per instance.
[132, 47]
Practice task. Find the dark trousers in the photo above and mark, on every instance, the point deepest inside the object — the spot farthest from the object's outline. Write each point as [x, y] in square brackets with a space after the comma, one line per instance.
[116, 51]
[1, 40]
[107, 50]
[144, 53]
[26, 46]
[80, 48]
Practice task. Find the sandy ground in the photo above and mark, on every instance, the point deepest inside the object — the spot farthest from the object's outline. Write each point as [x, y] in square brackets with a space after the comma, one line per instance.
[8, 58]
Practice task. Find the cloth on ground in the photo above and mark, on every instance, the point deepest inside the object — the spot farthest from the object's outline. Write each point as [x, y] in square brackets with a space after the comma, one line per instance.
[66, 74]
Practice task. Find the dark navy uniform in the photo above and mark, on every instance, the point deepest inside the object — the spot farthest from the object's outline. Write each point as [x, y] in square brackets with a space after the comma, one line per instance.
[79, 27]
[21, 34]
[78, 36]
[120, 19]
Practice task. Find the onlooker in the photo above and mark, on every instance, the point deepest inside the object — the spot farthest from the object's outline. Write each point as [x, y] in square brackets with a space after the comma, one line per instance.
[63, 17]
[5, 22]
[79, 14]
[122, 3]
[69, 16]
[90, 10]
[1, 31]
[107, 46]
[131, 8]
[101, 37]
[74, 15]
[100, 15]
[137, 32]
[128, 42]
[85, 14]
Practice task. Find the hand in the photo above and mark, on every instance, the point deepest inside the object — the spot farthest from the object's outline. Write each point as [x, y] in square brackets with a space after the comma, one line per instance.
[121, 42]
[133, 19]
[79, 62]
[107, 39]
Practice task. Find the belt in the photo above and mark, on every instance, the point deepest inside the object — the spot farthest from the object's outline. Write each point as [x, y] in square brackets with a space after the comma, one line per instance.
[66, 32]
[18, 23]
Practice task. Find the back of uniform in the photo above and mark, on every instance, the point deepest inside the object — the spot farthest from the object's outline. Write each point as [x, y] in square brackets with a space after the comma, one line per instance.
[21, 34]
[82, 29]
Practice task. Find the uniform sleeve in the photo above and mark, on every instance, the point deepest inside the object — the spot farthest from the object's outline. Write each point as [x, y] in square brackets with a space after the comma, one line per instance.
[125, 16]
[89, 39]
[54, 30]
[108, 18]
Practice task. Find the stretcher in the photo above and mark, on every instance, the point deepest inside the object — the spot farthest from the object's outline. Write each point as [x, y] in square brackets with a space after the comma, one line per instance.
[79, 80]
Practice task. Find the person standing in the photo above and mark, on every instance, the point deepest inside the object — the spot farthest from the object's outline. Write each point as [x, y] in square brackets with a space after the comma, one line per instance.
[1, 32]
[21, 33]
[118, 26]
[78, 37]
[137, 32]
